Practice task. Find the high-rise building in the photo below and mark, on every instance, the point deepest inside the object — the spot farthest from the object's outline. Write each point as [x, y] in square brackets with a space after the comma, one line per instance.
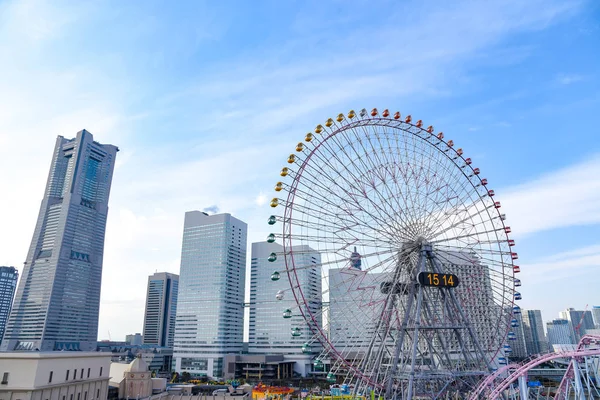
[269, 332]
[161, 309]
[134, 339]
[210, 304]
[355, 302]
[580, 321]
[518, 343]
[560, 331]
[8, 282]
[596, 316]
[58, 298]
[533, 328]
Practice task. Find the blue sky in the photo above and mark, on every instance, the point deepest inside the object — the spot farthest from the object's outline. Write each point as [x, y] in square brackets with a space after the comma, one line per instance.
[206, 101]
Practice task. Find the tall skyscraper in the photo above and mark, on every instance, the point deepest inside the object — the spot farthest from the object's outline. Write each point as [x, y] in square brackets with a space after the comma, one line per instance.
[161, 309]
[58, 297]
[533, 327]
[519, 343]
[596, 316]
[8, 283]
[560, 331]
[269, 332]
[210, 306]
[576, 318]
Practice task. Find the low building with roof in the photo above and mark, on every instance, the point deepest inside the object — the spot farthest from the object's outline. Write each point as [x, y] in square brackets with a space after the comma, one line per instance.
[135, 380]
[57, 375]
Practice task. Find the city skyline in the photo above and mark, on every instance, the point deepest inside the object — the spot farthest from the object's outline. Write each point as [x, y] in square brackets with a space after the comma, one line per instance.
[206, 113]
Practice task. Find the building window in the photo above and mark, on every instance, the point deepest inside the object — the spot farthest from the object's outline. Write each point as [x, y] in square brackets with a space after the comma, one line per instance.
[81, 376]
[74, 374]
[50, 377]
[97, 394]
[85, 396]
[100, 371]
[5, 378]
[79, 396]
[89, 370]
[71, 398]
[64, 397]
[67, 377]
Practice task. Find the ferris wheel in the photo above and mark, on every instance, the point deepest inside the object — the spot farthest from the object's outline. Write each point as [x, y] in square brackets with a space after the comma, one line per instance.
[416, 268]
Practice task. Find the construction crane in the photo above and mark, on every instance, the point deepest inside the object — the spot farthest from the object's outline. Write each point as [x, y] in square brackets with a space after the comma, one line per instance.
[578, 327]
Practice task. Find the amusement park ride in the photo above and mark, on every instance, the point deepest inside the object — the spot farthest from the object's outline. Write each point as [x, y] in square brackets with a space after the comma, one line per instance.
[418, 273]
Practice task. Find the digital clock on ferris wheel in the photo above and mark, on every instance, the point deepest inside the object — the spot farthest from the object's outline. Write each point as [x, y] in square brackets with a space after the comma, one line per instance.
[437, 280]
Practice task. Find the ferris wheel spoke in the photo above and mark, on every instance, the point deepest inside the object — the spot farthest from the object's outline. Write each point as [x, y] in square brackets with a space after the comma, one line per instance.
[349, 195]
[472, 234]
[384, 215]
[373, 166]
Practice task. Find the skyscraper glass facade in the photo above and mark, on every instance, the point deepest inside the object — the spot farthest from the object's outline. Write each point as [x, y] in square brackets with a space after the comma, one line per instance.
[560, 331]
[533, 327]
[596, 316]
[210, 309]
[8, 283]
[269, 332]
[58, 299]
[161, 309]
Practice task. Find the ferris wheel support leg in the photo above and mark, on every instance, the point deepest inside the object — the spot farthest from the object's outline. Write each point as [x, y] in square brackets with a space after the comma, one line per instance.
[415, 337]
[401, 334]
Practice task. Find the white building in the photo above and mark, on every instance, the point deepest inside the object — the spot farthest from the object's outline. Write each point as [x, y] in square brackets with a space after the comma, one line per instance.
[355, 304]
[270, 332]
[210, 307]
[54, 376]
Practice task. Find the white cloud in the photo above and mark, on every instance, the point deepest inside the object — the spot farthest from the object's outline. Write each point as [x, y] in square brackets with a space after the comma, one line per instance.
[567, 79]
[261, 199]
[559, 281]
[567, 197]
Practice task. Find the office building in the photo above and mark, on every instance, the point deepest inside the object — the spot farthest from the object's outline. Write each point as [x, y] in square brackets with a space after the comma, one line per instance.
[596, 316]
[269, 332]
[8, 283]
[355, 303]
[161, 309]
[560, 331]
[58, 297]
[210, 304]
[134, 339]
[519, 341]
[579, 320]
[54, 375]
[533, 328]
